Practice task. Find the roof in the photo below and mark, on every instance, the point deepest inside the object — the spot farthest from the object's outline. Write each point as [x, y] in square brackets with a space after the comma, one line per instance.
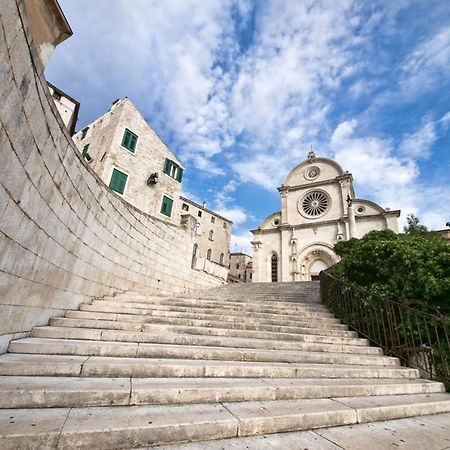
[197, 205]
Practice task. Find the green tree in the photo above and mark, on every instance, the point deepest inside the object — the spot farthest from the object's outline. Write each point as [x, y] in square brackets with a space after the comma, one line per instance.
[414, 225]
[413, 268]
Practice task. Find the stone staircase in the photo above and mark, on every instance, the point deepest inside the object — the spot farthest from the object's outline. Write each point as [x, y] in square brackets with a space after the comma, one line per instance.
[134, 371]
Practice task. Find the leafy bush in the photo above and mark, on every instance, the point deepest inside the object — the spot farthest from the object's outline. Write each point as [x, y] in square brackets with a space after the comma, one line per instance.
[412, 268]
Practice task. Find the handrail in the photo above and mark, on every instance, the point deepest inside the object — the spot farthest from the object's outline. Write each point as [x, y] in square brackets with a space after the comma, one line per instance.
[419, 339]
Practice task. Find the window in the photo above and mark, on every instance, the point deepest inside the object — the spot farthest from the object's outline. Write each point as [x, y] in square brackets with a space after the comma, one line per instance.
[84, 132]
[225, 225]
[173, 170]
[213, 219]
[221, 259]
[85, 153]
[274, 268]
[211, 235]
[185, 207]
[56, 95]
[209, 254]
[129, 140]
[199, 214]
[237, 266]
[166, 206]
[118, 181]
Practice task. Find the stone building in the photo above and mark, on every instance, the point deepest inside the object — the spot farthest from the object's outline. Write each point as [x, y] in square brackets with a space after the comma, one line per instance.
[67, 107]
[212, 235]
[133, 161]
[318, 208]
[240, 268]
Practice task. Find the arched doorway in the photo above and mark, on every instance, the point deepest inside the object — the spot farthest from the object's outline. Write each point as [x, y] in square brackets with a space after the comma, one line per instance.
[274, 268]
[314, 259]
[316, 267]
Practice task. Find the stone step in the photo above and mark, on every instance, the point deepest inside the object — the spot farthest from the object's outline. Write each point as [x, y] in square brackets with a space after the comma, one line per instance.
[418, 433]
[58, 392]
[98, 366]
[329, 330]
[302, 320]
[193, 352]
[218, 310]
[140, 426]
[285, 307]
[189, 339]
[162, 328]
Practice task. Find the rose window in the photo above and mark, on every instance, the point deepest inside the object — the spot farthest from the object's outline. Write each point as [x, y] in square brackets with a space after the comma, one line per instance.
[312, 173]
[315, 203]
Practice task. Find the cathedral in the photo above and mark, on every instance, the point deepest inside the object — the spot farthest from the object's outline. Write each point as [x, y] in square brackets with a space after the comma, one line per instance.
[318, 209]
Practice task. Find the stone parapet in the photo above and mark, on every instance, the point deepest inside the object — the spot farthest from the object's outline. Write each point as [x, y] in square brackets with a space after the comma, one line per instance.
[64, 236]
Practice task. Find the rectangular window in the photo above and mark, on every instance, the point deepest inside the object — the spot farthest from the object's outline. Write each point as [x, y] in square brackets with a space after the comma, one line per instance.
[213, 219]
[118, 181]
[172, 169]
[129, 140]
[84, 132]
[199, 214]
[85, 149]
[225, 225]
[185, 207]
[166, 206]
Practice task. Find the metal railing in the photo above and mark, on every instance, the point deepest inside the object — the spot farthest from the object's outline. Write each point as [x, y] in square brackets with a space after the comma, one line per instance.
[420, 340]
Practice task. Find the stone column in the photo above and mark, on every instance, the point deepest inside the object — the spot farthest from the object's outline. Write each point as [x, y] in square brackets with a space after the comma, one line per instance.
[258, 269]
[284, 214]
[284, 260]
[351, 221]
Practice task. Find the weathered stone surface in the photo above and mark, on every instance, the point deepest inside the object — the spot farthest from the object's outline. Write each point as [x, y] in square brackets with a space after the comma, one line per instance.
[65, 236]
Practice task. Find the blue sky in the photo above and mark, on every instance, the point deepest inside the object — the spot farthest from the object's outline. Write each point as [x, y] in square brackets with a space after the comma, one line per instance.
[240, 90]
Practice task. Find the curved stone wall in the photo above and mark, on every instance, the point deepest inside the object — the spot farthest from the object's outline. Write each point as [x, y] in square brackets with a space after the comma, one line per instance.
[64, 236]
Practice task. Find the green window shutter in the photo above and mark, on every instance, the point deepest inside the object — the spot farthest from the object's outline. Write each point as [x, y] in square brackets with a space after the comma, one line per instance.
[118, 181]
[84, 132]
[167, 166]
[129, 140]
[133, 142]
[179, 174]
[85, 149]
[166, 206]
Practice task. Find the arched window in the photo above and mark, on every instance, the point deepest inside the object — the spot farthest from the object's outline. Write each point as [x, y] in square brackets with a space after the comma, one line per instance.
[208, 254]
[211, 235]
[221, 259]
[274, 268]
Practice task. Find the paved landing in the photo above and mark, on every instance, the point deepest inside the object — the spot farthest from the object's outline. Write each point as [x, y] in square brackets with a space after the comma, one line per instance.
[419, 433]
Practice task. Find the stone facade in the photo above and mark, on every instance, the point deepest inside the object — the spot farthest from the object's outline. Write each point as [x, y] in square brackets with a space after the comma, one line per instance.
[241, 267]
[103, 141]
[64, 236]
[212, 235]
[67, 107]
[48, 26]
[318, 208]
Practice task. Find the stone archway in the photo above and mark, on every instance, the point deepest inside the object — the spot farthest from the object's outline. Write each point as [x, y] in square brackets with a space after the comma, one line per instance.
[315, 258]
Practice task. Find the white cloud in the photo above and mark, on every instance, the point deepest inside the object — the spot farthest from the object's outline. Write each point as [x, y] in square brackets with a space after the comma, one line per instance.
[236, 215]
[390, 180]
[427, 62]
[240, 242]
[418, 144]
